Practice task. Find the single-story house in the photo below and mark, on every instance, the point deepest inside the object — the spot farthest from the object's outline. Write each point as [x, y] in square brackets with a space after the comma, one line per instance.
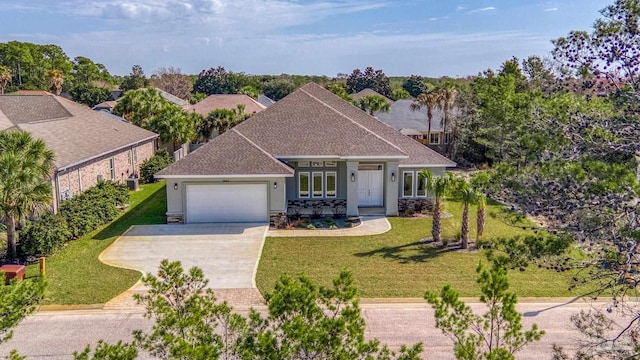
[310, 150]
[89, 145]
[369, 92]
[414, 123]
[226, 101]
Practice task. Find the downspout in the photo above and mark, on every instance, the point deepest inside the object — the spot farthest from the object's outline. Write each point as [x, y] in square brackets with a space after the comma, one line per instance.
[79, 179]
[57, 197]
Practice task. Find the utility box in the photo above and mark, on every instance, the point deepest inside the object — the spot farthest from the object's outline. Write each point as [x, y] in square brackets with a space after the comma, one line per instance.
[132, 183]
[12, 271]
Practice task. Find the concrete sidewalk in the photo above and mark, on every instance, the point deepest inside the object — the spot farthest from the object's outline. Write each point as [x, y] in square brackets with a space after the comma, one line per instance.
[370, 225]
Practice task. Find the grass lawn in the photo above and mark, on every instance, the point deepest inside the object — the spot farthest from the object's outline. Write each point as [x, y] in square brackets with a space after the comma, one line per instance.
[76, 276]
[397, 264]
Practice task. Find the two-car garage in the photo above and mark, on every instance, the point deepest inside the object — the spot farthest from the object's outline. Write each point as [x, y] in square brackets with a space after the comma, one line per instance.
[226, 202]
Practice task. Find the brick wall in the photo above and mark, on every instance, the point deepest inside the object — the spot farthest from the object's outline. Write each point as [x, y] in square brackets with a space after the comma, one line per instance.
[74, 180]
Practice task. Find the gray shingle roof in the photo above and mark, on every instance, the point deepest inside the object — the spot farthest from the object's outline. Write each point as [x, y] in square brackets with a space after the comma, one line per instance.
[228, 154]
[74, 132]
[265, 100]
[309, 122]
[400, 116]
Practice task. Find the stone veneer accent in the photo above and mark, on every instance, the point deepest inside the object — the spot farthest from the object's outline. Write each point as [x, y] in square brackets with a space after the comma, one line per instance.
[278, 220]
[306, 207]
[404, 204]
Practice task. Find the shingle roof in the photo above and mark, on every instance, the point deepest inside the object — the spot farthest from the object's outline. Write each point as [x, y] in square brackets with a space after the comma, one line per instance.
[228, 154]
[74, 132]
[400, 116]
[226, 101]
[309, 122]
[265, 100]
[172, 98]
[369, 92]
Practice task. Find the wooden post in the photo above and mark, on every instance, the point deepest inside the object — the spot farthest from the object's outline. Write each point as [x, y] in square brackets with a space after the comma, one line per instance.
[43, 266]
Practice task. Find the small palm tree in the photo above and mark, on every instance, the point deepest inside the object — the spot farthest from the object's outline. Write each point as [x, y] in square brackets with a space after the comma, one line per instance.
[481, 217]
[448, 96]
[5, 78]
[174, 125]
[438, 187]
[56, 79]
[373, 103]
[468, 196]
[25, 164]
[430, 101]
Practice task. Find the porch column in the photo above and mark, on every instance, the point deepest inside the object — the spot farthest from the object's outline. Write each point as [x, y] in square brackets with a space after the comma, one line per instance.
[352, 188]
[391, 181]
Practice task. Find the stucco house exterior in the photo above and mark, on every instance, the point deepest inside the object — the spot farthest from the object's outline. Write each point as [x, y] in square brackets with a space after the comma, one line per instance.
[309, 150]
[89, 145]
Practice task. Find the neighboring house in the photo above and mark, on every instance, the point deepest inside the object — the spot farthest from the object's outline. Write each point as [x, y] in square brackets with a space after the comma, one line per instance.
[89, 145]
[265, 100]
[414, 123]
[369, 92]
[310, 150]
[226, 101]
[109, 105]
[105, 106]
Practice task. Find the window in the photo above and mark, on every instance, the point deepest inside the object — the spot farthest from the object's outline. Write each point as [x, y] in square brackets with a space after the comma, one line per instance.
[303, 184]
[421, 188]
[330, 180]
[447, 138]
[317, 185]
[112, 166]
[435, 138]
[317, 164]
[407, 184]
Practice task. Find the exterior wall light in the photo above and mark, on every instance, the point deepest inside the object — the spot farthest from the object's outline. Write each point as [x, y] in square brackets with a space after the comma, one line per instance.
[275, 185]
[393, 176]
[353, 177]
[175, 186]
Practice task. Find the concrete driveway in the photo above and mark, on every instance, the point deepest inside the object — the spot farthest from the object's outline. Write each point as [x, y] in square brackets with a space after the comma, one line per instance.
[227, 253]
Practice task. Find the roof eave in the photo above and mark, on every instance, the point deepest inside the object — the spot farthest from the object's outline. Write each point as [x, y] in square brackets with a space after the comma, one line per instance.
[218, 176]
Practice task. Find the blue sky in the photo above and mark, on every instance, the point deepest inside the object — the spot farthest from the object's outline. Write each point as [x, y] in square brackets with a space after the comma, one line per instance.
[323, 37]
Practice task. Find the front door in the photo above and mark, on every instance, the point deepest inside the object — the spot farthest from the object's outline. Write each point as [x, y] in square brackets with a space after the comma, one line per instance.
[370, 187]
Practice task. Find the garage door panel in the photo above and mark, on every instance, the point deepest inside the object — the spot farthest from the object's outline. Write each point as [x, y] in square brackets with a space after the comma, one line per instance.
[226, 203]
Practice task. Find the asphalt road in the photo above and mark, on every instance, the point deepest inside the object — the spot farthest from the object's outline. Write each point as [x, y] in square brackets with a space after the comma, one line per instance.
[56, 335]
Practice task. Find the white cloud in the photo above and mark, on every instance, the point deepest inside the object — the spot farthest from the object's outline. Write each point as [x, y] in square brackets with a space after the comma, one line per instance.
[551, 9]
[488, 8]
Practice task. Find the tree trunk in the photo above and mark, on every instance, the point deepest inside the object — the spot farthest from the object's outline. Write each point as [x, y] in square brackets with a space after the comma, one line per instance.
[11, 237]
[435, 228]
[429, 117]
[465, 226]
[480, 222]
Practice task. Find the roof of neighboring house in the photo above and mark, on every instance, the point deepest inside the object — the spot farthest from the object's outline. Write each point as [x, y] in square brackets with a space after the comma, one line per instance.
[400, 116]
[369, 92]
[226, 101]
[105, 105]
[31, 92]
[410, 132]
[265, 100]
[310, 122]
[172, 98]
[74, 132]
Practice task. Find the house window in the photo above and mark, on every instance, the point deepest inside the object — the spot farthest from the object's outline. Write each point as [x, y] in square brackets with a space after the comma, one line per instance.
[112, 166]
[447, 138]
[330, 180]
[407, 184]
[421, 186]
[317, 185]
[303, 184]
[435, 138]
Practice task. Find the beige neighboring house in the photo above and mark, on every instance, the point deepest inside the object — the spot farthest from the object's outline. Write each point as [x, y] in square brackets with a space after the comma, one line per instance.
[310, 150]
[89, 145]
[226, 101]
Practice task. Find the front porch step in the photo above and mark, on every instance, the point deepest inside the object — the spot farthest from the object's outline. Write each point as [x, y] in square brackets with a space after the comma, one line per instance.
[371, 211]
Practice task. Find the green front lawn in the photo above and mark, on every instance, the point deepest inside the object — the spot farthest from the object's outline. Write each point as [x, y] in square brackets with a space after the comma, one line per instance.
[76, 276]
[397, 264]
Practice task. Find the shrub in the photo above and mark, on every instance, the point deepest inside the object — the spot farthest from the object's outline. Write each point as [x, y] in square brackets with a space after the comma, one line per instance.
[44, 236]
[152, 165]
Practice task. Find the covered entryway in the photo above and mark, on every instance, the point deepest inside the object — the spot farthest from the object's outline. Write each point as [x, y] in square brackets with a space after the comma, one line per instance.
[226, 203]
[370, 185]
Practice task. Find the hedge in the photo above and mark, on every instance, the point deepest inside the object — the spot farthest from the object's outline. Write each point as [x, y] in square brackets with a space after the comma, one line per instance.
[152, 165]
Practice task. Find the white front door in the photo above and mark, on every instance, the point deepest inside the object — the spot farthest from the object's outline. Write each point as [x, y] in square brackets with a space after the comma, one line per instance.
[370, 188]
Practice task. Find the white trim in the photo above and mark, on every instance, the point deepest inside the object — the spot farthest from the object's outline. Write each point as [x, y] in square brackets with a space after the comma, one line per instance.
[335, 184]
[304, 157]
[427, 165]
[309, 183]
[413, 182]
[313, 183]
[381, 158]
[338, 157]
[230, 176]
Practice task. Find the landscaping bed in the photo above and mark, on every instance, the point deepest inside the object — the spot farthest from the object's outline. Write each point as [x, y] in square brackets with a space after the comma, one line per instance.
[320, 223]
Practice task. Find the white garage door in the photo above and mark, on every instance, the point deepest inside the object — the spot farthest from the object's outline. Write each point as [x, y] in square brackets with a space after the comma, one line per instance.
[227, 203]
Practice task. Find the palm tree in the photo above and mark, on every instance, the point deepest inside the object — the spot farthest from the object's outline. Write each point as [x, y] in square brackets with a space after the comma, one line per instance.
[438, 187]
[174, 125]
[468, 196]
[25, 164]
[482, 213]
[56, 79]
[5, 78]
[448, 96]
[373, 103]
[430, 101]
[140, 105]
